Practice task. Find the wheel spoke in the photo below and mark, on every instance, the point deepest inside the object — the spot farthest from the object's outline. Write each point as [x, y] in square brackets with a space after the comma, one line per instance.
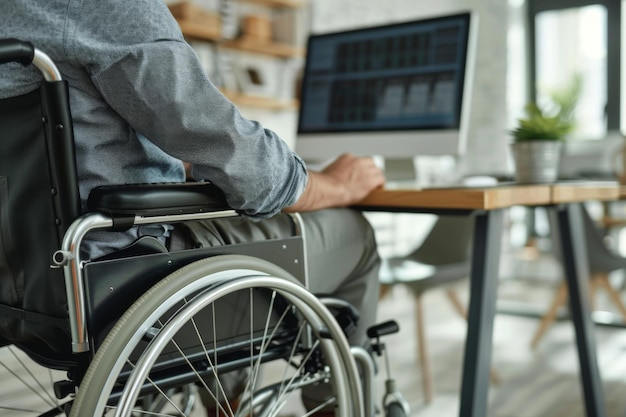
[320, 407]
[43, 393]
[266, 341]
[285, 390]
[162, 394]
[221, 390]
[223, 286]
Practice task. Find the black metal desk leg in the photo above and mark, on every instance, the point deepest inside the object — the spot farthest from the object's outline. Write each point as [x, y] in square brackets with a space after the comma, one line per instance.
[481, 312]
[576, 268]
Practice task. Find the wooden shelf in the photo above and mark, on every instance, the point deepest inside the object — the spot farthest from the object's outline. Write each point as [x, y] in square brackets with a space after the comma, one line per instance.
[195, 21]
[261, 102]
[267, 48]
[278, 3]
[199, 24]
[199, 31]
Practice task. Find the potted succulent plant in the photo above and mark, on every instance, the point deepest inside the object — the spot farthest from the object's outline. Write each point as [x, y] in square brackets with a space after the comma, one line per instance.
[538, 137]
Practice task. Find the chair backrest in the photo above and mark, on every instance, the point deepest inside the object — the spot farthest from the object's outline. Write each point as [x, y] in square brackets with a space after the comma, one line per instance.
[448, 242]
[38, 201]
[601, 258]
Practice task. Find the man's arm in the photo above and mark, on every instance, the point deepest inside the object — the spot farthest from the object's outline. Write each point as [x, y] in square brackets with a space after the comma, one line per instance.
[345, 181]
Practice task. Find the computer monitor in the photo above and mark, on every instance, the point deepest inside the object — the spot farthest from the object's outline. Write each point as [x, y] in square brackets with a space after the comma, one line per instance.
[395, 91]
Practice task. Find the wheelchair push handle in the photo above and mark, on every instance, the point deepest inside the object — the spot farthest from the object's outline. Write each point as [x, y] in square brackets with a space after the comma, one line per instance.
[15, 50]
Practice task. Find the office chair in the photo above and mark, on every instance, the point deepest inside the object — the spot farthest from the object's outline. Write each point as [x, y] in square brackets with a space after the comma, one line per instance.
[602, 262]
[140, 331]
[441, 260]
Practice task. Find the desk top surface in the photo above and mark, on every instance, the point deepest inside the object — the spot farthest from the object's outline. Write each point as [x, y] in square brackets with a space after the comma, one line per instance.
[568, 192]
[489, 198]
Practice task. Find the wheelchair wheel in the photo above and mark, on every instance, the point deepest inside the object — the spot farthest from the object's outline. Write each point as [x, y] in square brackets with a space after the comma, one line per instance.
[219, 320]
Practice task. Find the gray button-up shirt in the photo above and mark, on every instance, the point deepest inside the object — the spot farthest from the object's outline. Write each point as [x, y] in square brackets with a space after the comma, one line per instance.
[141, 103]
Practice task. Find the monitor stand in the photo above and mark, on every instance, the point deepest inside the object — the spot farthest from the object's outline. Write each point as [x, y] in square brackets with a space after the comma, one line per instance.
[400, 170]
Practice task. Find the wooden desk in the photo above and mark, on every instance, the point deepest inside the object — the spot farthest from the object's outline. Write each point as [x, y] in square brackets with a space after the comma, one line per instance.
[572, 192]
[487, 206]
[608, 221]
[457, 198]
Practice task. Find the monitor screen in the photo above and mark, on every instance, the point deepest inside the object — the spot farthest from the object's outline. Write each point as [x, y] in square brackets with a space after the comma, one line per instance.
[395, 90]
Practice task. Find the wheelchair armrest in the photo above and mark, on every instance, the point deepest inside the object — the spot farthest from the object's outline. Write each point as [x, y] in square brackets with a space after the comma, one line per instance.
[157, 199]
[15, 50]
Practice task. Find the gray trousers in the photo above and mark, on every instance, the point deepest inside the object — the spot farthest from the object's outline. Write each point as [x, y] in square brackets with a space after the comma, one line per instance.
[342, 261]
[341, 253]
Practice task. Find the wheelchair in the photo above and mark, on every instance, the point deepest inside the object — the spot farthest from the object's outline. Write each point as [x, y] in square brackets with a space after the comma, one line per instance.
[144, 331]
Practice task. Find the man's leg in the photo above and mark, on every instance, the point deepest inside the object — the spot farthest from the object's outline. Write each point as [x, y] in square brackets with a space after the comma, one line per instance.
[341, 253]
[341, 256]
[343, 262]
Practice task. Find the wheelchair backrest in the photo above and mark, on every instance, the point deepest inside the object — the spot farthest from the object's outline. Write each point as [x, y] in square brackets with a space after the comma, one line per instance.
[38, 201]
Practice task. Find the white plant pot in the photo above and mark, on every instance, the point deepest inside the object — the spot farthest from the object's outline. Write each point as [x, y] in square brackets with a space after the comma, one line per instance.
[536, 161]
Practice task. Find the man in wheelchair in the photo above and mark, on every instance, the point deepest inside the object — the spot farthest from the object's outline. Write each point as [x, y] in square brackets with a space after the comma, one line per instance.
[141, 104]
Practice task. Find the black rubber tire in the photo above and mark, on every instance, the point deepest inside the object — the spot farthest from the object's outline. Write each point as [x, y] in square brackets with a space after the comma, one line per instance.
[395, 409]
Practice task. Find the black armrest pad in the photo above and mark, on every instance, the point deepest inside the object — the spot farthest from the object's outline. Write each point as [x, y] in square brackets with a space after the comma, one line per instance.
[157, 199]
[15, 50]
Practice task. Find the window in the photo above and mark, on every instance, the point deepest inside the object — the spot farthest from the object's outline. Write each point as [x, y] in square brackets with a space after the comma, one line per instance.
[570, 38]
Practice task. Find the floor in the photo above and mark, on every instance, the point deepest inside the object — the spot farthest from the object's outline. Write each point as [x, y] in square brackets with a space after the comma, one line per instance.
[541, 382]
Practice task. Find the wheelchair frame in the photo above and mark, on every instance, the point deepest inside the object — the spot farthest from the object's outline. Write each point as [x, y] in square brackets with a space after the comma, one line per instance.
[121, 207]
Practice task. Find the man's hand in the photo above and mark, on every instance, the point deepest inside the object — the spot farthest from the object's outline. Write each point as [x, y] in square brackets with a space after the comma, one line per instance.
[358, 176]
[344, 182]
